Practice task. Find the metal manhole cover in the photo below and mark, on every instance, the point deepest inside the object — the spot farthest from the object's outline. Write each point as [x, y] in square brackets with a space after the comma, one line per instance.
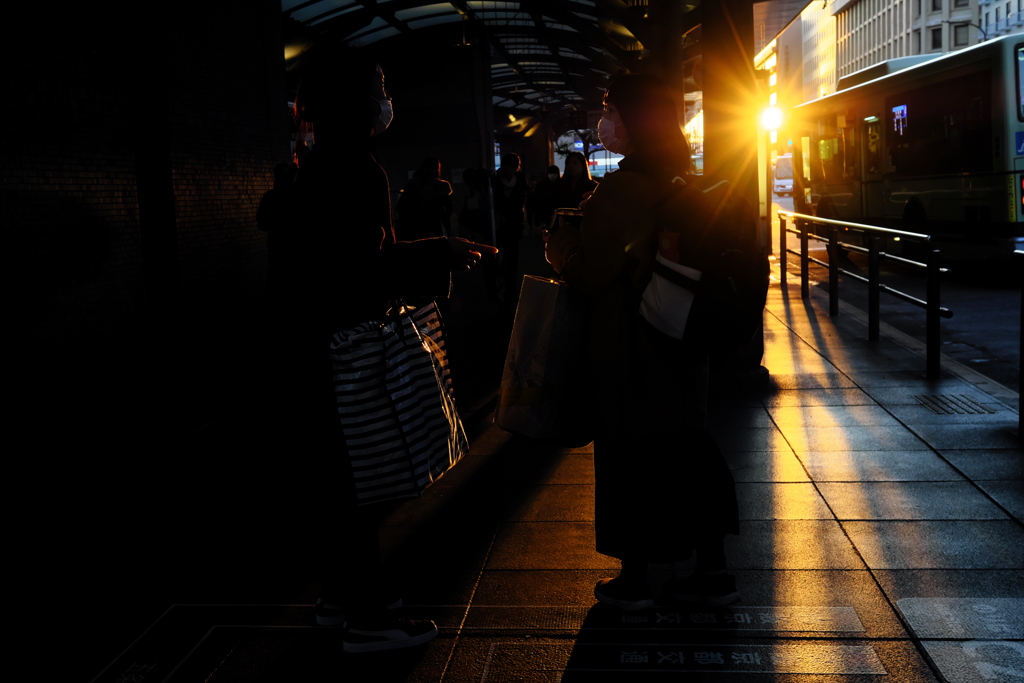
[953, 404]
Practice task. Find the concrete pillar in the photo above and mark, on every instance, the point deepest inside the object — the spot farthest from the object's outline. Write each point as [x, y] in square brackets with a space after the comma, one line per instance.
[731, 100]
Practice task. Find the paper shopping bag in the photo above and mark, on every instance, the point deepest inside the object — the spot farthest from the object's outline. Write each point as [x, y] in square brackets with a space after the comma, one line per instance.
[543, 389]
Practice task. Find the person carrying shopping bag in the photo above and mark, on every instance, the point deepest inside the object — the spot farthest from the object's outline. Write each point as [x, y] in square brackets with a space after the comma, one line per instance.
[662, 488]
[338, 265]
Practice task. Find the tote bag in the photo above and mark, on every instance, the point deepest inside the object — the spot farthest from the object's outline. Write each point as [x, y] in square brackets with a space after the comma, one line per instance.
[393, 389]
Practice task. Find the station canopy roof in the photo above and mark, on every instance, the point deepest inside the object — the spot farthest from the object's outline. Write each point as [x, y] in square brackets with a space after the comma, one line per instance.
[545, 54]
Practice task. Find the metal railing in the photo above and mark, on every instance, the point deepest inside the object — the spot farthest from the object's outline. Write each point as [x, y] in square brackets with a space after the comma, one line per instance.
[873, 236]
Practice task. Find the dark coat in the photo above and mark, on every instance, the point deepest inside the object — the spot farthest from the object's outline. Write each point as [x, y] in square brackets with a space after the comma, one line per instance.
[337, 257]
[509, 202]
[424, 209]
[543, 201]
[609, 258]
[569, 192]
[336, 264]
[661, 482]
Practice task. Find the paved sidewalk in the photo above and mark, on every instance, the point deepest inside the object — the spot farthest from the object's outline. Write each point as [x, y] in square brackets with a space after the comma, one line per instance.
[882, 541]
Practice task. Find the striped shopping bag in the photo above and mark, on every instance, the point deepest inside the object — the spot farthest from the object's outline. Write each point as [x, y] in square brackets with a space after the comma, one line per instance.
[393, 390]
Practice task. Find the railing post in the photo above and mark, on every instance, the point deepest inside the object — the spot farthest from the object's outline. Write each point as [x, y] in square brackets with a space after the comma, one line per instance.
[833, 270]
[805, 288]
[873, 288]
[783, 256]
[932, 322]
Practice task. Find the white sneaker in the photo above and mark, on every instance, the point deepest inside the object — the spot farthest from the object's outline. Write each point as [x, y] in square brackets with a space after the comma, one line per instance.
[388, 634]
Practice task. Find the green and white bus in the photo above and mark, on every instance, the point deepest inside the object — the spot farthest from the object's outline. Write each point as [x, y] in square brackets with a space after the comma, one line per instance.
[933, 146]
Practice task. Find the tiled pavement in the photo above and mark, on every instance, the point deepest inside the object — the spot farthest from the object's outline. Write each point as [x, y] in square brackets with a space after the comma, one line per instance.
[882, 541]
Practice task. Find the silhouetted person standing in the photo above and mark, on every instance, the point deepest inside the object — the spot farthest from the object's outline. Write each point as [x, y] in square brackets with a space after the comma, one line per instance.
[425, 206]
[473, 210]
[509, 188]
[662, 488]
[544, 197]
[575, 183]
[338, 265]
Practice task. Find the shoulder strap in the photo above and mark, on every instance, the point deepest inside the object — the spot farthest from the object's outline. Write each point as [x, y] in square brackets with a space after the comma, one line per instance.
[674, 276]
[676, 185]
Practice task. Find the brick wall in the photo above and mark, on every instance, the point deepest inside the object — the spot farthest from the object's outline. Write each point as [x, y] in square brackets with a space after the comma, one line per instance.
[133, 160]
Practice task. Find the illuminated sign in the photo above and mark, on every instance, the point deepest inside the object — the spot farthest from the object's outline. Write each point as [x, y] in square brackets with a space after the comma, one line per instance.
[899, 119]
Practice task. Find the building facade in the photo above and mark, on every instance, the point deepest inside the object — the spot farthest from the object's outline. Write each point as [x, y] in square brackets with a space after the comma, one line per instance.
[1001, 17]
[872, 31]
[841, 37]
[817, 28]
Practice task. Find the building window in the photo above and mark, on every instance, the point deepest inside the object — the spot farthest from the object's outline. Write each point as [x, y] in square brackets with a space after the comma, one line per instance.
[960, 35]
[936, 38]
[961, 3]
[936, 5]
[917, 42]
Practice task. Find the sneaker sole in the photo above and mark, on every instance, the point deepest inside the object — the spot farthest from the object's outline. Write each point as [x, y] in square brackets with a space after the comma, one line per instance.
[625, 605]
[330, 621]
[385, 644]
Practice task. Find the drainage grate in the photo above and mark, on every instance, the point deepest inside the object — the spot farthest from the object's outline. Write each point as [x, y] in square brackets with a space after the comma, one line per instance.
[953, 405]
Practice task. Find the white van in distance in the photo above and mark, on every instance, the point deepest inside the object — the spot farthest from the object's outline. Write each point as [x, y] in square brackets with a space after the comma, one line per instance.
[782, 183]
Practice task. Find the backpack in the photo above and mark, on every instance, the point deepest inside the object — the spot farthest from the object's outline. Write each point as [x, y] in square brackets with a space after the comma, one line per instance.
[709, 279]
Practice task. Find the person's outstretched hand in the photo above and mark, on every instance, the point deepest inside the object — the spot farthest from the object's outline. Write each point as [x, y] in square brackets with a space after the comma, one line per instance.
[466, 254]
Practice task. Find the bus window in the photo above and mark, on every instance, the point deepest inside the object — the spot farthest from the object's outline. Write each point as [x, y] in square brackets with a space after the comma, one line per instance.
[931, 132]
[835, 157]
[831, 158]
[848, 137]
[872, 155]
[899, 120]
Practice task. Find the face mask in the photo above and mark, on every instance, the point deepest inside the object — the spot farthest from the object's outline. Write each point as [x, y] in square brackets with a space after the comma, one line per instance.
[387, 114]
[612, 143]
